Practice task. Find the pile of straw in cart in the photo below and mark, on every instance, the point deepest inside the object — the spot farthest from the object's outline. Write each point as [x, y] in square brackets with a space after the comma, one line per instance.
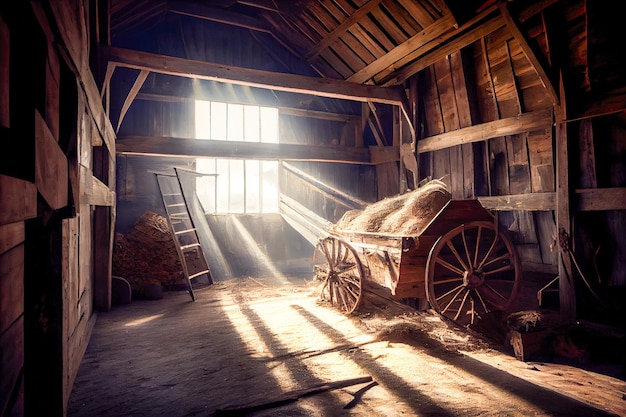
[403, 215]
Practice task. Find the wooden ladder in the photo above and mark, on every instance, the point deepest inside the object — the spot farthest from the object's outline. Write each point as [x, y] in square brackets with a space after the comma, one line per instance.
[182, 227]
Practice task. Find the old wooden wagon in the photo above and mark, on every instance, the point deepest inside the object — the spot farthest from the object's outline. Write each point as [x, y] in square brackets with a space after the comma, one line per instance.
[449, 255]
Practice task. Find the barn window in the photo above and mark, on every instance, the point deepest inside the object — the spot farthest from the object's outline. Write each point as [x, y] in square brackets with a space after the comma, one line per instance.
[240, 186]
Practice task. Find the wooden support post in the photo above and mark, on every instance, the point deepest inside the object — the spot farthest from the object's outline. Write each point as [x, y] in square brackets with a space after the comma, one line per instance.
[103, 256]
[567, 295]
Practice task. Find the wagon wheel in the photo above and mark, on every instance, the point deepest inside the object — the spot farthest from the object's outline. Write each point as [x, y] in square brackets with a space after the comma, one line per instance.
[472, 270]
[338, 266]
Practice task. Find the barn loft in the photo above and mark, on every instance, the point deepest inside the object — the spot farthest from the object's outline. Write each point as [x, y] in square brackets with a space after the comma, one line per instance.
[276, 119]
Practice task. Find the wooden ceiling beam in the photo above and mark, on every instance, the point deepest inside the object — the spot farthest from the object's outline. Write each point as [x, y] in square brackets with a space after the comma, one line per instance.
[287, 111]
[420, 43]
[180, 67]
[196, 148]
[530, 54]
[341, 29]
[215, 14]
[442, 49]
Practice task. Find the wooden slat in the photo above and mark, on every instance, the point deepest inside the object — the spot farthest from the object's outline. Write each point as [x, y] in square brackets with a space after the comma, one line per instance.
[593, 199]
[216, 14]
[78, 61]
[389, 26]
[103, 252]
[19, 200]
[531, 202]
[257, 78]
[100, 194]
[398, 77]
[540, 159]
[11, 286]
[530, 54]
[11, 235]
[192, 148]
[419, 43]
[51, 167]
[53, 92]
[509, 126]
[342, 28]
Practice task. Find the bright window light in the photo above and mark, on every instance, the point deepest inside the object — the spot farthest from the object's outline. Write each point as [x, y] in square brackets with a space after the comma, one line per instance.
[240, 186]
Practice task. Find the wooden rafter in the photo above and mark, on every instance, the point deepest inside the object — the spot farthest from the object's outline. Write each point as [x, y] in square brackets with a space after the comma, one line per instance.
[341, 29]
[530, 54]
[215, 14]
[256, 78]
[418, 44]
[444, 49]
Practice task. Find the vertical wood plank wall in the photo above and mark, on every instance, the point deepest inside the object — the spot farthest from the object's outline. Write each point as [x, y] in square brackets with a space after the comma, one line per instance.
[53, 279]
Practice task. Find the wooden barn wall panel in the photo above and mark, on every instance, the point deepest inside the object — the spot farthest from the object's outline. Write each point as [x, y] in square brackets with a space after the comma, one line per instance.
[601, 147]
[501, 80]
[136, 186]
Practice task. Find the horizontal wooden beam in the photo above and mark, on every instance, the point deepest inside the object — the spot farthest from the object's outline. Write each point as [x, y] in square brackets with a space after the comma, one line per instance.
[504, 127]
[592, 199]
[197, 148]
[588, 199]
[216, 14]
[531, 202]
[19, 200]
[283, 111]
[323, 87]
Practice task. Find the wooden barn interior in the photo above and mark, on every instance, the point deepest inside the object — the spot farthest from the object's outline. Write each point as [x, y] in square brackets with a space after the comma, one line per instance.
[276, 118]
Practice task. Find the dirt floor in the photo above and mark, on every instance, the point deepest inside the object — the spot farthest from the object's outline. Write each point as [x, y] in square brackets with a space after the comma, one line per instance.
[248, 347]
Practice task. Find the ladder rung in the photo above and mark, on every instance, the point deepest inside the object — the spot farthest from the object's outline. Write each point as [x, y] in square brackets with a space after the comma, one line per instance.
[180, 232]
[197, 274]
[178, 215]
[171, 194]
[191, 245]
[176, 205]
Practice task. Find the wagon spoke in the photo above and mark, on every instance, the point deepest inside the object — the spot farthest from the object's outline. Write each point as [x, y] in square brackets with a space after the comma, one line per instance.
[458, 313]
[447, 281]
[456, 254]
[488, 254]
[467, 255]
[344, 275]
[478, 237]
[482, 301]
[449, 266]
[460, 288]
[498, 259]
[496, 292]
[343, 299]
[501, 269]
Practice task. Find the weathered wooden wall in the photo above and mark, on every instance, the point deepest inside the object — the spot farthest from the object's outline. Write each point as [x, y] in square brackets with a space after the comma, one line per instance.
[467, 88]
[57, 206]
[497, 80]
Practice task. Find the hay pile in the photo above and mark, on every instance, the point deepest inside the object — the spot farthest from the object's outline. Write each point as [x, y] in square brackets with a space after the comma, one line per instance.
[404, 215]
